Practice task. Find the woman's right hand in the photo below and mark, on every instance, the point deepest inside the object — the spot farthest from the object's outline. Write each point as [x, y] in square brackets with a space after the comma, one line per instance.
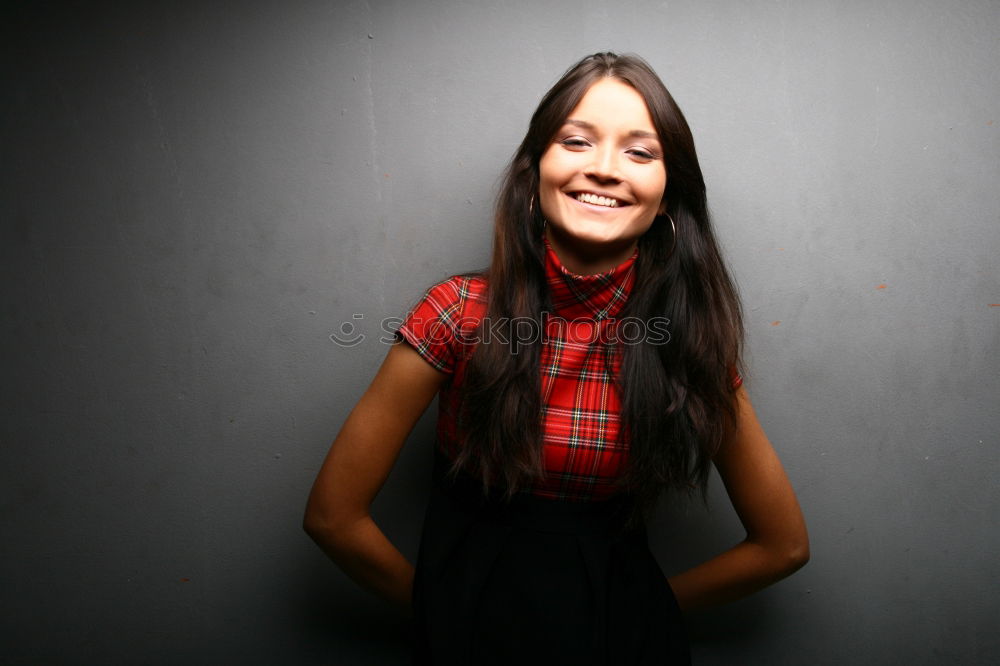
[359, 461]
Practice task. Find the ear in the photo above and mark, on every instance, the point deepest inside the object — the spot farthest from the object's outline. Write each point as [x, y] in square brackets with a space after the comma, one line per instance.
[662, 210]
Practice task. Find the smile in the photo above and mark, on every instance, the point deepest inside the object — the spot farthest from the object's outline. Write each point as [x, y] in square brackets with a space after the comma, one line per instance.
[597, 200]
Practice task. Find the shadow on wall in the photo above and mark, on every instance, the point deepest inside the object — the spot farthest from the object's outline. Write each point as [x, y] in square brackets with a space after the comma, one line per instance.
[345, 625]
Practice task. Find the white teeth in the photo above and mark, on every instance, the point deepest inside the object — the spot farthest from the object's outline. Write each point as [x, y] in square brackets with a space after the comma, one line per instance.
[587, 197]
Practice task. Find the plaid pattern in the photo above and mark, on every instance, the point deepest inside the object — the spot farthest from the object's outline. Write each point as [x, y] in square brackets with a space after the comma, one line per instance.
[579, 362]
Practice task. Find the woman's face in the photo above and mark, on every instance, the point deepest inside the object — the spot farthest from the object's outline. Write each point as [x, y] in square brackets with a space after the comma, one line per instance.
[602, 179]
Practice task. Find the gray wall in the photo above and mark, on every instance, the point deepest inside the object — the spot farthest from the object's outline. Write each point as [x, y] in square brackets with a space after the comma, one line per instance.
[196, 195]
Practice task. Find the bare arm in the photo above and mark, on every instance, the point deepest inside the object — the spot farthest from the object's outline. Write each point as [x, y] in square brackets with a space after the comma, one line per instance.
[777, 542]
[337, 515]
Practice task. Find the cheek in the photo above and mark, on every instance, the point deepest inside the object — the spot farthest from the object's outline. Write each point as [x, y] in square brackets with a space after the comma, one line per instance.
[548, 170]
[654, 190]
[548, 202]
[549, 182]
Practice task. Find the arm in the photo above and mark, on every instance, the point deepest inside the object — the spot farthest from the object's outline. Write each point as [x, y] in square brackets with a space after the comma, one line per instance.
[776, 544]
[337, 515]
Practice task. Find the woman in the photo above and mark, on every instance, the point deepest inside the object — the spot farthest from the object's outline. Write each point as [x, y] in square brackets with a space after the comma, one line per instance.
[592, 366]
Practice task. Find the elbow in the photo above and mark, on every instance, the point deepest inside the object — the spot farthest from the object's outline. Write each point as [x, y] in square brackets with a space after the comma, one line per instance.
[322, 527]
[798, 556]
[331, 530]
[313, 524]
[785, 557]
[328, 535]
[795, 554]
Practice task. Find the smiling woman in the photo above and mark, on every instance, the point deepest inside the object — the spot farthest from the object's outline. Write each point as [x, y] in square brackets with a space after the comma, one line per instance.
[601, 181]
[555, 441]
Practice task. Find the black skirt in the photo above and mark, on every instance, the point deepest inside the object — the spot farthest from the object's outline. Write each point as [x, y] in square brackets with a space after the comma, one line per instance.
[538, 581]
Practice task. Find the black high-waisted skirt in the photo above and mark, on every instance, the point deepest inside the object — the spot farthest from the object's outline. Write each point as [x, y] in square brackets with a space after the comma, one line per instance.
[538, 581]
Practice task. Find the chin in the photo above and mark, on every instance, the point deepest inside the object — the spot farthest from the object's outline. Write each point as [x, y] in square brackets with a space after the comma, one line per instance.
[599, 237]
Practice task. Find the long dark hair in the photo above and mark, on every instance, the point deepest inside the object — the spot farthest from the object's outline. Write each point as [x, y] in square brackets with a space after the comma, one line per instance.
[677, 399]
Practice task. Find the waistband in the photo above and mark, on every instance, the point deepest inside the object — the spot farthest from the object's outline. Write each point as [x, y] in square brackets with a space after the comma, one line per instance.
[525, 510]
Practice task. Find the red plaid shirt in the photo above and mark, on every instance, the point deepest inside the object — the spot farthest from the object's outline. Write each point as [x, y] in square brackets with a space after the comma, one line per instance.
[582, 456]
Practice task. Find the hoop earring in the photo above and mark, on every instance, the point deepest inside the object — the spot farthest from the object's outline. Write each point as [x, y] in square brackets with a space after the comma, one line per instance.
[673, 235]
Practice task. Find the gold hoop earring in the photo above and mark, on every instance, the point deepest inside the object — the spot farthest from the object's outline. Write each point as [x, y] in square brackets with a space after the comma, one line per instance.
[673, 235]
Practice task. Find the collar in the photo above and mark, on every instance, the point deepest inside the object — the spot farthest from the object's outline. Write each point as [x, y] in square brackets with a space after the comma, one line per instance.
[596, 296]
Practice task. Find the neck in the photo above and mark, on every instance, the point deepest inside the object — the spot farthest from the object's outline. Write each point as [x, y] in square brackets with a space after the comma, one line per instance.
[583, 259]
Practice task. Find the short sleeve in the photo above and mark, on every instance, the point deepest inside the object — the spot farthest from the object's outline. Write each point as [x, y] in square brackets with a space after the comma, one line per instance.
[433, 325]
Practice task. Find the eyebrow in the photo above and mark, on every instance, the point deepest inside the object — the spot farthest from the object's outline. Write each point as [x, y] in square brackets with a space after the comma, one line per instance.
[642, 134]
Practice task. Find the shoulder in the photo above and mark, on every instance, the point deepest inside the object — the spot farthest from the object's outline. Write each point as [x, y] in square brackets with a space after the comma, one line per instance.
[458, 289]
[441, 324]
[454, 298]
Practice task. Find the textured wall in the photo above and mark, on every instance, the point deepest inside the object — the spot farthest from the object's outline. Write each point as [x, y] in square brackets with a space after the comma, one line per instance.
[194, 196]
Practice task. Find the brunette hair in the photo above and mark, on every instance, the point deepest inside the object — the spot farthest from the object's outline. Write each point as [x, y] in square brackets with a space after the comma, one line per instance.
[677, 399]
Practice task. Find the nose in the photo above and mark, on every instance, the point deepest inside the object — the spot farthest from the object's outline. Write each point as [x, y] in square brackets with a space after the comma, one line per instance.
[604, 166]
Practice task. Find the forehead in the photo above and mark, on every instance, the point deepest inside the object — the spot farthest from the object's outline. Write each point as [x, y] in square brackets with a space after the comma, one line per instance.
[611, 104]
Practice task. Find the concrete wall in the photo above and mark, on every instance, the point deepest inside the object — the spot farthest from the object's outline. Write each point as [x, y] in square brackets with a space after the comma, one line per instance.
[196, 195]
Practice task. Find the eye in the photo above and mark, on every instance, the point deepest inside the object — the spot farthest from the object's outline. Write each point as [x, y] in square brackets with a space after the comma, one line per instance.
[574, 142]
[642, 153]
